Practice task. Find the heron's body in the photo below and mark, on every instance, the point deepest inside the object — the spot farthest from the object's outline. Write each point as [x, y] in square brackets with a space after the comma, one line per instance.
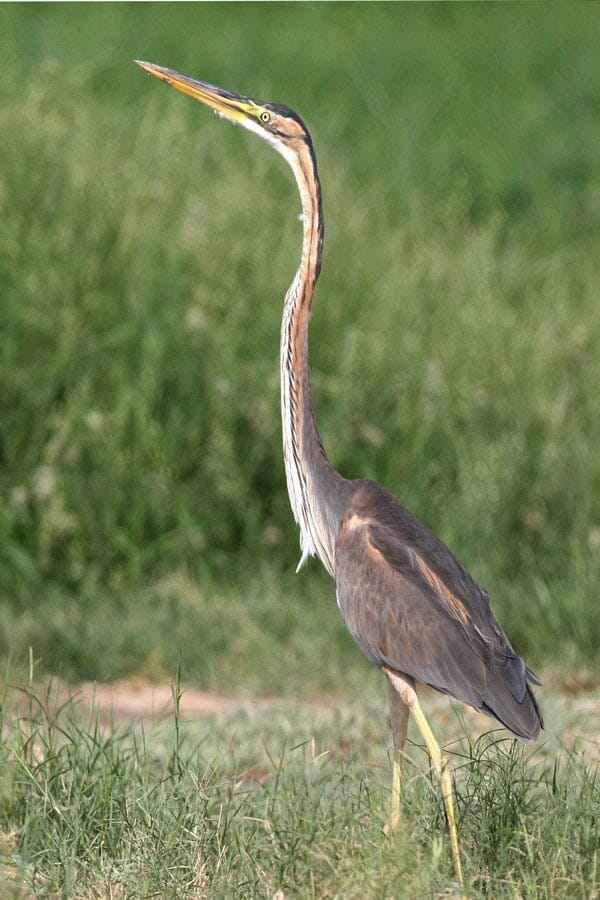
[412, 607]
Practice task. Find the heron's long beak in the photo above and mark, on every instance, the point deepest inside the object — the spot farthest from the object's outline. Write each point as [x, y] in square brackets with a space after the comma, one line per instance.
[231, 106]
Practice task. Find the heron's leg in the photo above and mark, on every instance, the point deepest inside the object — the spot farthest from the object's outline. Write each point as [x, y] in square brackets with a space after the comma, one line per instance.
[404, 688]
[399, 717]
[440, 765]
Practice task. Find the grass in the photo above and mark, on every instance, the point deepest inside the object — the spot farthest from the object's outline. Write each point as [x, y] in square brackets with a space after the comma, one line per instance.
[282, 802]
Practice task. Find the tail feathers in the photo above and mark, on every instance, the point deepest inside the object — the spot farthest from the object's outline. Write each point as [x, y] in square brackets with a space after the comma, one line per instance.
[517, 711]
[531, 676]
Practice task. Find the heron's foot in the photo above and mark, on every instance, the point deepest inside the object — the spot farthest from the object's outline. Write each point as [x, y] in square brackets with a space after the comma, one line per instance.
[395, 817]
[395, 807]
[445, 778]
[391, 826]
[448, 795]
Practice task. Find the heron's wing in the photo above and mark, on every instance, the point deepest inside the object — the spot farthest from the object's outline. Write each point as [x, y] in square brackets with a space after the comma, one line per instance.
[411, 606]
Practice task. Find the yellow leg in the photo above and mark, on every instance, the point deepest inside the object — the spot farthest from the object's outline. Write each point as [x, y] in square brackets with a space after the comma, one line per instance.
[399, 717]
[441, 768]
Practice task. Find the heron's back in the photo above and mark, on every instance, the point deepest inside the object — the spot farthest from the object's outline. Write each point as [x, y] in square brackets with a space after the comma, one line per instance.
[413, 607]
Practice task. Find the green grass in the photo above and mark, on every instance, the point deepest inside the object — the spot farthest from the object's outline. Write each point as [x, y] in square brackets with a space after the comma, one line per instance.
[146, 248]
[286, 800]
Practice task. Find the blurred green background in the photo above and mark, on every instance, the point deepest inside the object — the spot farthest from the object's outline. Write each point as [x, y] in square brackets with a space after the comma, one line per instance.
[144, 253]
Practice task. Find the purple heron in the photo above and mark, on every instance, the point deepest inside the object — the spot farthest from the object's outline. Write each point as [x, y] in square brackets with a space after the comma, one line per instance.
[413, 609]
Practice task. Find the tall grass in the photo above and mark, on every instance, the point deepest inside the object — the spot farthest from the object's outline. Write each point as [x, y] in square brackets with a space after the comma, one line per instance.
[271, 804]
[145, 251]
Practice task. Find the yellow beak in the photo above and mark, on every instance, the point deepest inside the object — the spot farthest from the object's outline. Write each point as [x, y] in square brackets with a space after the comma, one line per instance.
[231, 106]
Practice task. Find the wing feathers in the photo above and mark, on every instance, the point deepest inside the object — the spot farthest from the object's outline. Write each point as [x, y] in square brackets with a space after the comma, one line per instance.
[411, 606]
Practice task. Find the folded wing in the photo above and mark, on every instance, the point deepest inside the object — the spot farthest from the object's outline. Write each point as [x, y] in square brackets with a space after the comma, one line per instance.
[413, 607]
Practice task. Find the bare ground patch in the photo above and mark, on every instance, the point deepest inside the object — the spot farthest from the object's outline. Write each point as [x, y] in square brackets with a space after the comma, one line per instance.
[571, 706]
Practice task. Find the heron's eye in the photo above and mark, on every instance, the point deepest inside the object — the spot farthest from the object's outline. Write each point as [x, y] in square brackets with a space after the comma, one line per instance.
[265, 117]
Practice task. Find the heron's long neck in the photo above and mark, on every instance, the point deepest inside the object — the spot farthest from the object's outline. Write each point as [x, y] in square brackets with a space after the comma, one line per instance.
[316, 490]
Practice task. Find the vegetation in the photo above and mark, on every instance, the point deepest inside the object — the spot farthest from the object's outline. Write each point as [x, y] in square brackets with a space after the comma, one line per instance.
[456, 341]
[282, 803]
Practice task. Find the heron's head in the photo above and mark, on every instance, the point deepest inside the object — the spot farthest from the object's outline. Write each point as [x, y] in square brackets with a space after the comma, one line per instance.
[277, 124]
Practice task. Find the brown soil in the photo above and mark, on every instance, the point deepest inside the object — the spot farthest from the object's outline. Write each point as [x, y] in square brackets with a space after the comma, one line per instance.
[139, 700]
